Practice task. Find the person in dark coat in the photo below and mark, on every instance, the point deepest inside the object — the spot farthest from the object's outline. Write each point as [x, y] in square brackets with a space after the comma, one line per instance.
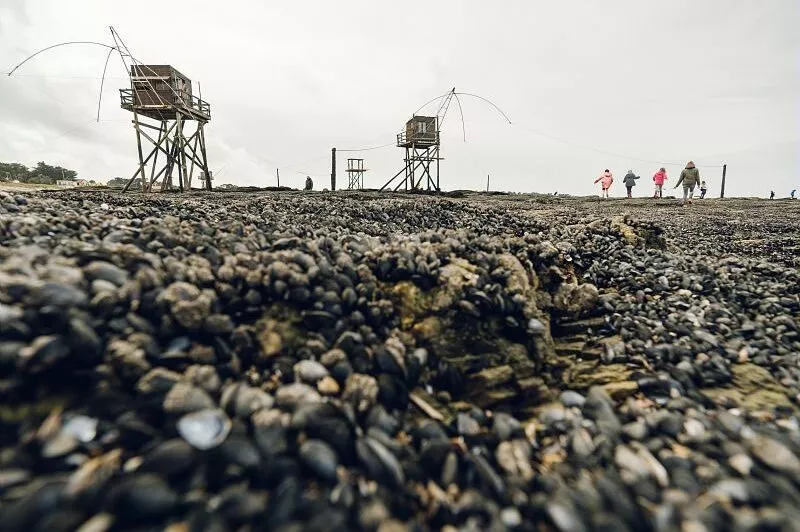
[771, 194]
[630, 181]
[309, 183]
[690, 177]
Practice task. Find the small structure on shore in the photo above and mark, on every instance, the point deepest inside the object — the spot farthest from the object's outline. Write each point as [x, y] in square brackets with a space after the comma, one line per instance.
[162, 94]
[422, 144]
[355, 174]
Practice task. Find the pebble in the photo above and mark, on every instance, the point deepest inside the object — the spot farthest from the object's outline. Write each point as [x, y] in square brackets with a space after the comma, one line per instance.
[572, 399]
[328, 386]
[741, 463]
[310, 371]
[774, 454]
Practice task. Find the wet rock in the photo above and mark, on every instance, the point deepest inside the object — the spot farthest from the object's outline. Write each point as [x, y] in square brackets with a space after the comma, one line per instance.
[292, 395]
[320, 458]
[188, 305]
[774, 454]
[328, 386]
[310, 371]
[361, 391]
[572, 399]
[142, 498]
[184, 398]
[105, 271]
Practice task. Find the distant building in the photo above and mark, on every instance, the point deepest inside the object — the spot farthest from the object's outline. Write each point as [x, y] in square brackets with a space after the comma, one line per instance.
[71, 183]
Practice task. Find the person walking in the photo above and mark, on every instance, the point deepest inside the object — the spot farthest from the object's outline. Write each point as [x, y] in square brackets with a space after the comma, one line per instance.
[309, 183]
[630, 181]
[659, 179]
[606, 179]
[793, 191]
[690, 177]
[703, 189]
[771, 194]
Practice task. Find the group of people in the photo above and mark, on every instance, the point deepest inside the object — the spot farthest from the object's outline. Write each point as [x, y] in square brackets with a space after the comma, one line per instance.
[690, 178]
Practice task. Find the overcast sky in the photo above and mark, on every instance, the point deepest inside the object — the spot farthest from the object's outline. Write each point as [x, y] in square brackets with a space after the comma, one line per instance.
[710, 80]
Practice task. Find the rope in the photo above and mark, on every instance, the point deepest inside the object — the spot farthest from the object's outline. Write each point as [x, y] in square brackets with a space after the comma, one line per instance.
[461, 112]
[56, 46]
[102, 82]
[367, 149]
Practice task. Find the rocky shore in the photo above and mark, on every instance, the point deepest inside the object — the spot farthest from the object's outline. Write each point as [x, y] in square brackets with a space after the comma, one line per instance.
[354, 361]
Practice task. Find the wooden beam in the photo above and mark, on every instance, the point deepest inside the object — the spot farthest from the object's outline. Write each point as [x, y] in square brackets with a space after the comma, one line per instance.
[205, 155]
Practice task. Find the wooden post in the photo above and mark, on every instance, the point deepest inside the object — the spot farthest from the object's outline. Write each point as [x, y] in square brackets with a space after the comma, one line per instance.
[162, 130]
[182, 177]
[487, 182]
[437, 158]
[333, 168]
[141, 156]
[724, 172]
[278, 175]
[206, 171]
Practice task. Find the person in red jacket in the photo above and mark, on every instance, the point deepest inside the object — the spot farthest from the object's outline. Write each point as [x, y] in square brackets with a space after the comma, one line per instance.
[659, 179]
[605, 180]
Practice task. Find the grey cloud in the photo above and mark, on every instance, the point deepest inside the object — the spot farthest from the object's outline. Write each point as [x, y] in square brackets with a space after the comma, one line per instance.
[714, 81]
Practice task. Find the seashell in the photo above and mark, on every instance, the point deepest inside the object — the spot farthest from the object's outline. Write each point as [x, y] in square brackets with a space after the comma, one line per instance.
[204, 429]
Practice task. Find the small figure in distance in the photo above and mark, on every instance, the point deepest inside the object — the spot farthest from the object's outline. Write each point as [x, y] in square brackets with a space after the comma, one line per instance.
[606, 179]
[690, 177]
[793, 191]
[659, 179]
[771, 194]
[309, 183]
[703, 189]
[630, 181]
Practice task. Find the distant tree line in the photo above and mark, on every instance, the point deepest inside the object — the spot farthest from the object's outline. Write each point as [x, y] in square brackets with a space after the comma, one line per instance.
[42, 173]
[119, 182]
[45, 174]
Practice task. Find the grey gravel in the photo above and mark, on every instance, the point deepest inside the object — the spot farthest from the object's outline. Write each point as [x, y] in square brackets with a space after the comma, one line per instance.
[356, 361]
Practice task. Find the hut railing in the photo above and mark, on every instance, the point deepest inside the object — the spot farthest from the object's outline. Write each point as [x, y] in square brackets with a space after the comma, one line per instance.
[405, 138]
[193, 103]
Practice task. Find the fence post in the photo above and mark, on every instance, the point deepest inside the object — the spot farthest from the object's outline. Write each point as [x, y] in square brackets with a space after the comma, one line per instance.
[724, 172]
[333, 168]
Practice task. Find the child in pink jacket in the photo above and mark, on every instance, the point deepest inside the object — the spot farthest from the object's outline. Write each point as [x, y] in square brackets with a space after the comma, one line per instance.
[605, 180]
[659, 179]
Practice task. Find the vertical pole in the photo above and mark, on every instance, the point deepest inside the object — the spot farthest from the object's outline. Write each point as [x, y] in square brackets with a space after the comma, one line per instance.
[333, 169]
[487, 182]
[205, 155]
[181, 152]
[166, 181]
[439, 143]
[407, 169]
[139, 147]
[161, 131]
[278, 175]
[194, 156]
[437, 168]
[724, 172]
